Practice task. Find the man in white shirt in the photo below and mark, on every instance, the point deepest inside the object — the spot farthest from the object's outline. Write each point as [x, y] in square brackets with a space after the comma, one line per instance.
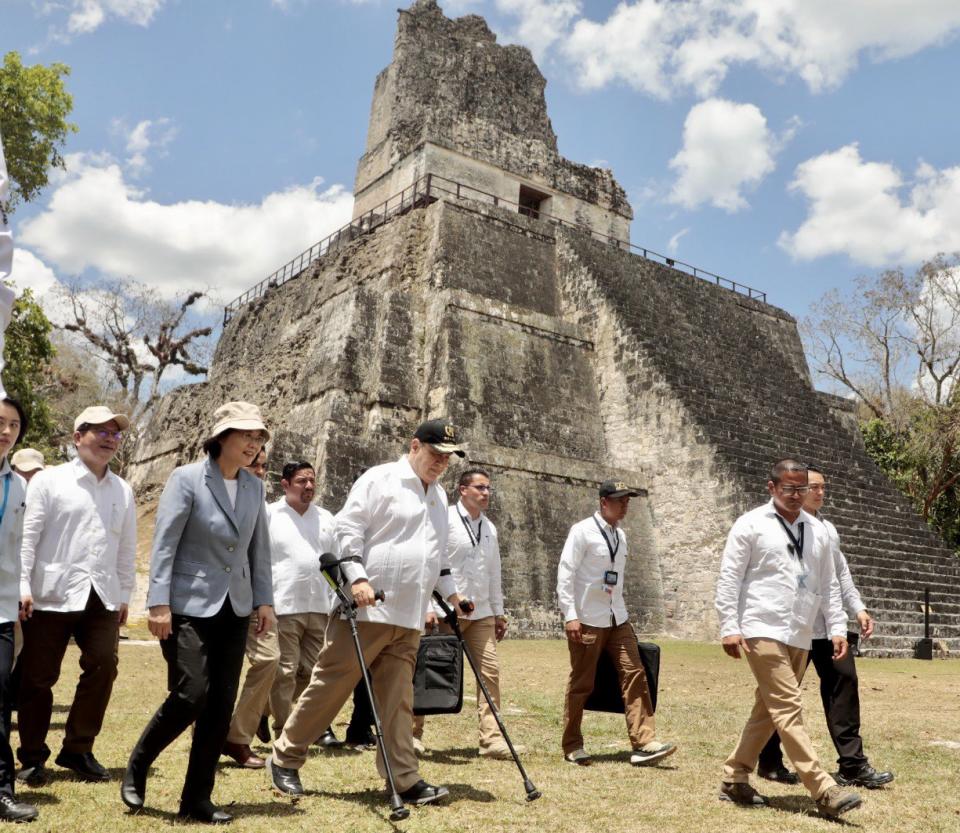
[393, 530]
[590, 592]
[776, 578]
[474, 552]
[839, 689]
[77, 574]
[300, 532]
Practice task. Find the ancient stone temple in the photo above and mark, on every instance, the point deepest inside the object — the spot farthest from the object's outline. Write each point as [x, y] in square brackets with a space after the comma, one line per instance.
[487, 278]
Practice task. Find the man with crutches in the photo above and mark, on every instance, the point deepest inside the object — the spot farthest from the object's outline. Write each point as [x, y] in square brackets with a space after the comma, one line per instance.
[392, 531]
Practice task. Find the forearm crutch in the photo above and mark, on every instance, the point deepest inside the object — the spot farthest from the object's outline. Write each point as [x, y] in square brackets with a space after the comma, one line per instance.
[450, 617]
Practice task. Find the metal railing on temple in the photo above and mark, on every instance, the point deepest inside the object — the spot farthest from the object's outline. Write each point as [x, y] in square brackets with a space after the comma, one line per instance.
[427, 190]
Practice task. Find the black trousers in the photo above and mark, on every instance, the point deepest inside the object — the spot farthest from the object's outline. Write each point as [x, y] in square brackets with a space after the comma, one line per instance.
[840, 694]
[204, 658]
[6, 674]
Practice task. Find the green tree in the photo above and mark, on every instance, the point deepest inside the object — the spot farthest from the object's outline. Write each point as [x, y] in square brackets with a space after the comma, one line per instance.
[27, 353]
[34, 106]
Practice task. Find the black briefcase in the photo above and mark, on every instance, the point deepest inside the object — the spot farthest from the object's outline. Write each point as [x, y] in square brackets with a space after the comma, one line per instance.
[438, 679]
[606, 696]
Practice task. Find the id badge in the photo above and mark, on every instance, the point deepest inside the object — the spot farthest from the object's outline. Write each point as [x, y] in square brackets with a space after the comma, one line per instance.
[610, 578]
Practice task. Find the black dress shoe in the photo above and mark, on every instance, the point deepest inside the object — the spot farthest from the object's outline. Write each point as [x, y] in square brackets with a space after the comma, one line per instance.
[360, 740]
[204, 811]
[329, 740]
[263, 730]
[13, 810]
[285, 779]
[84, 765]
[866, 776]
[34, 775]
[780, 774]
[423, 793]
[133, 788]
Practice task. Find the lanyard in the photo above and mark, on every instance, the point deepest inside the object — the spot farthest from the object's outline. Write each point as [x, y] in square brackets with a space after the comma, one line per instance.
[613, 549]
[796, 544]
[475, 542]
[6, 495]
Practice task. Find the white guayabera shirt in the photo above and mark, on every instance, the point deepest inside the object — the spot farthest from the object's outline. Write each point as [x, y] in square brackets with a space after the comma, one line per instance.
[397, 532]
[474, 551]
[296, 544]
[593, 550]
[852, 603]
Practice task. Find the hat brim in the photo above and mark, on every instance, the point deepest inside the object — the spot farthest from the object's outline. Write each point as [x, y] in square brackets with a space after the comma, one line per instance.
[622, 493]
[239, 425]
[448, 448]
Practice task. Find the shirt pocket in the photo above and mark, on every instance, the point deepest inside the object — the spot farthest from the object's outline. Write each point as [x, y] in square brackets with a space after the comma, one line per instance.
[51, 581]
[116, 519]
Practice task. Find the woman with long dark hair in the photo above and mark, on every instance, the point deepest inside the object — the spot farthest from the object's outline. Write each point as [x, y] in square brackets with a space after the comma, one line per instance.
[210, 567]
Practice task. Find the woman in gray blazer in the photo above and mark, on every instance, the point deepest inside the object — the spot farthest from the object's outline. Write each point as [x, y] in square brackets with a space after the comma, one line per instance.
[13, 488]
[210, 566]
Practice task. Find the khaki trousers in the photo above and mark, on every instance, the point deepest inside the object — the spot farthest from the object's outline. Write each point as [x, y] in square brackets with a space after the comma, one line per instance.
[620, 642]
[778, 669]
[301, 637]
[390, 653]
[479, 635]
[263, 655]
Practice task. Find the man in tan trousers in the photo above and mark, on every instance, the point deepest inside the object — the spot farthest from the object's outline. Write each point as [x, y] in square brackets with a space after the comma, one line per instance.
[263, 657]
[590, 592]
[776, 576]
[474, 551]
[393, 528]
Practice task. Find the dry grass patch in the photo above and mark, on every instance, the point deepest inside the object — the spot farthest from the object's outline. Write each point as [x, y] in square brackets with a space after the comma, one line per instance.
[705, 698]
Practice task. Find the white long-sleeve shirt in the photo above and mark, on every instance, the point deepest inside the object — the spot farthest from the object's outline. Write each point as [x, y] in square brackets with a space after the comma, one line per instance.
[585, 559]
[474, 551]
[78, 532]
[296, 544]
[398, 532]
[764, 590]
[852, 603]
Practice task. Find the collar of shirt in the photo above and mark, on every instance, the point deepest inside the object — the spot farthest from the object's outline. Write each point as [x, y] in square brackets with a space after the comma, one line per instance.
[462, 511]
[606, 527]
[804, 517]
[81, 470]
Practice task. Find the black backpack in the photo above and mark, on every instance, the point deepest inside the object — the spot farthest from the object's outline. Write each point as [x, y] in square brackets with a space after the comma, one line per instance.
[438, 679]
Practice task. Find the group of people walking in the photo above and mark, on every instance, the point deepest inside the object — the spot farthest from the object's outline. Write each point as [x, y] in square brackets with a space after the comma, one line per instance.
[231, 575]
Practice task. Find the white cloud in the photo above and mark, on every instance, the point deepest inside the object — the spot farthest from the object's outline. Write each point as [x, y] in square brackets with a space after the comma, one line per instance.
[97, 220]
[146, 137]
[870, 212]
[29, 272]
[665, 47]
[726, 147]
[81, 17]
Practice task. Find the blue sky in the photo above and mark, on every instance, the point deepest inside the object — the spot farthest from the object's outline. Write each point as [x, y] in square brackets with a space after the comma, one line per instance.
[786, 144]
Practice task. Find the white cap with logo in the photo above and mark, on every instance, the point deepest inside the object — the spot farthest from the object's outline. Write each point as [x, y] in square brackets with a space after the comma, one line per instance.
[98, 415]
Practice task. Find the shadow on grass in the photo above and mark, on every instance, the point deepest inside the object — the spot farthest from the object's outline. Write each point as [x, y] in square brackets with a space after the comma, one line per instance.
[802, 805]
[457, 756]
[624, 758]
[269, 809]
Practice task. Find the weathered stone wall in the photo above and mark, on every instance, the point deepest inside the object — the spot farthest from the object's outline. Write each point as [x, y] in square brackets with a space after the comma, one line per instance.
[455, 102]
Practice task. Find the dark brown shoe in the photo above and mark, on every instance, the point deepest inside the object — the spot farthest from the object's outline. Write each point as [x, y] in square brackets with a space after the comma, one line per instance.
[742, 794]
[243, 755]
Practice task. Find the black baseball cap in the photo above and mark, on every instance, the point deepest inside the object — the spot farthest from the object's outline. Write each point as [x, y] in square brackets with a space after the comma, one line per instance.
[616, 488]
[442, 435]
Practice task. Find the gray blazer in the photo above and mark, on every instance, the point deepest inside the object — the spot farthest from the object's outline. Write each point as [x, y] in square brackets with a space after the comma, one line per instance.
[204, 549]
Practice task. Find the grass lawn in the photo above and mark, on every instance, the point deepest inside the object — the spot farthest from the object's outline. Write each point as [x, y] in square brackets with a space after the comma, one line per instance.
[908, 706]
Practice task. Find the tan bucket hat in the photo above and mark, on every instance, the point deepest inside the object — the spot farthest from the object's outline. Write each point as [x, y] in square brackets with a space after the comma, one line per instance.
[240, 416]
[98, 415]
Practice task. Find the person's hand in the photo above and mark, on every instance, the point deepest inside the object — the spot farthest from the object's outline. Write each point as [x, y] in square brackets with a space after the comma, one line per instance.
[431, 621]
[362, 593]
[456, 599]
[26, 607]
[265, 619]
[866, 624]
[840, 647]
[159, 621]
[573, 631]
[122, 612]
[500, 627]
[732, 645]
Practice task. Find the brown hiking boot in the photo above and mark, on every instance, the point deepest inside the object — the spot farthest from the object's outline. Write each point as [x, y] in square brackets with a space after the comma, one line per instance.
[835, 801]
[742, 794]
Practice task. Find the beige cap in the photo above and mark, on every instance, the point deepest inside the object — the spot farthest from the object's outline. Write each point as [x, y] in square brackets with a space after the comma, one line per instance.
[27, 459]
[241, 416]
[98, 415]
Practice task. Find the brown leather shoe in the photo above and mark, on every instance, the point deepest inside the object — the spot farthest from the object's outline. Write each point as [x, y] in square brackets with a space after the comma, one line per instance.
[243, 755]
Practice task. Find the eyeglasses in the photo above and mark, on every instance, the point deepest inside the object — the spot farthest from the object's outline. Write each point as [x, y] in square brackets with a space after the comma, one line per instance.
[116, 436]
[253, 437]
[481, 488]
[789, 491]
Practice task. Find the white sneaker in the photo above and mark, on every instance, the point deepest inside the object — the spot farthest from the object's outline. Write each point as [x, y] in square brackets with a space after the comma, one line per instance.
[578, 756]
[418, 746]
[500, 751]
[652, 752]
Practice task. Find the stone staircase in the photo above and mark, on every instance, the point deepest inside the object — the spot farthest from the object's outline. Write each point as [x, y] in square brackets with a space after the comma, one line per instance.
[737, 366]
